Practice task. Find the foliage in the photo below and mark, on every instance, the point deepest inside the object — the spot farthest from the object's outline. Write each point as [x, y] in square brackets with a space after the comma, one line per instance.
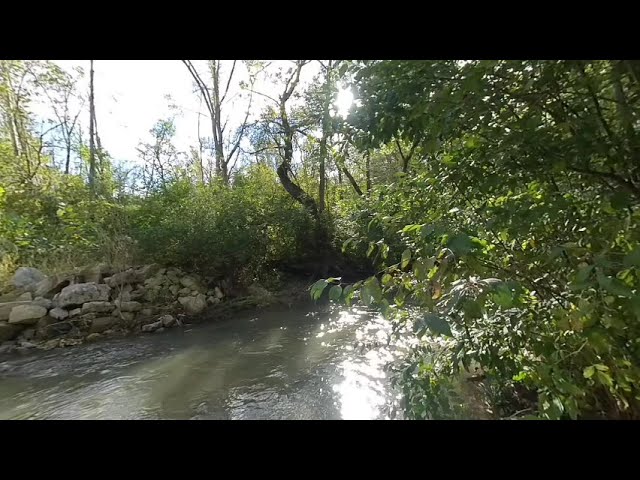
[222, 230]
[517, 235]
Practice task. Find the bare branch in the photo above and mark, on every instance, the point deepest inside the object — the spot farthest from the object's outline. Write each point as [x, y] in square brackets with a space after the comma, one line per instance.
[228, 82]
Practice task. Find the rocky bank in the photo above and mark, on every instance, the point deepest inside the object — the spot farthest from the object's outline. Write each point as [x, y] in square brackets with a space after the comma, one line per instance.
[38, 311]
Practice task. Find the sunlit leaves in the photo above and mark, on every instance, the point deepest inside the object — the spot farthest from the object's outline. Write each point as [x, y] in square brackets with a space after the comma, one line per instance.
[317, 288]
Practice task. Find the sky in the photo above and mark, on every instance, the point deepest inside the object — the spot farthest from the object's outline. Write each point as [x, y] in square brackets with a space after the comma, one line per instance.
[130, 96]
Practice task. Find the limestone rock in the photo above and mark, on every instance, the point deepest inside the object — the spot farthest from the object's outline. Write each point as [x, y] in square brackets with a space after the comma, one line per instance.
[51, 286]
[8, 331]
[27, 278]
[75, 312]
[161, 329]
[218, 293]
[28, 334]
[184, 291]
[123, 293]
[122, 278]
[43, 302]
[58, 313]
[75, 295]
[25, 297]
[5, 309]
[97, 307]
[27, 314]
[148, 271]
[167, 320]
[70, 342]
[151, 327]
[193, 305]
[101, 324]
[55, 329]
[137, 294]
[129, 306]
[92, 337]
[95, 273]
[147, 312]
[50, 344]
[174, 289]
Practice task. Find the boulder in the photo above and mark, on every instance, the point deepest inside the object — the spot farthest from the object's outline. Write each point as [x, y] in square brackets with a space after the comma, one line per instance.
[51, 286]
[58, 313]
[123, 294]
[101, 324]
[218, 293]
[174, 289]
[151, 327]
[27, 278]
[129, 306]
[122, 278]
[8, 331]
[28, 334]
[75, 312]
[154, 282]
[126, 316]
[50, 344]
[97, 307]
[148, 271]
[173, 276]
[95, 273]
[167, 320]
[193, 305]
[54, 330]
[213, 300]
[92, 337]
[70, 342]
[75, 295]
[27, 314]
[43, 302]
[147, 312]
[184, 291]
[25, 297]
[5, 309]
[137, 294]
[161, 329]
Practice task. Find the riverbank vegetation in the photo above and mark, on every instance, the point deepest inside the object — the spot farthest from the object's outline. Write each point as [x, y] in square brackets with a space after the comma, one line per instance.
[490, 206]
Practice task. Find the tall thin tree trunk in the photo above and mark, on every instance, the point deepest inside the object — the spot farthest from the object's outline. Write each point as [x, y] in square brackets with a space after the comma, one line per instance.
[367, 158]
[68, 160]
[92, 149]
[326, 133]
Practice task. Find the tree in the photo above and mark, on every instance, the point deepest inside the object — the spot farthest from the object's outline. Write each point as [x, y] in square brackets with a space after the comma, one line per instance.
[214, 98]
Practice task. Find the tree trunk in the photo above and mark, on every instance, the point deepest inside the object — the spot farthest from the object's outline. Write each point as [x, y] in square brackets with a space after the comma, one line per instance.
[368, 170]
[92, 149]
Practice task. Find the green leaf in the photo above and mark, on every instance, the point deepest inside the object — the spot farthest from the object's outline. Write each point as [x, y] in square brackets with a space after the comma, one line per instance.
[633, 259]
[372, 247]
[613, 285]
[348, 293]
[406, 258]
[373, 289]
[589, 371]
[335, 293]
[317, 288]
[460, 244]
[583, 274]
[386, 278]
[437, 324]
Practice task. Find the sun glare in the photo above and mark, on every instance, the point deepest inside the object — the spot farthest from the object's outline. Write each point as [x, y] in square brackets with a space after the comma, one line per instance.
[344, 101]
